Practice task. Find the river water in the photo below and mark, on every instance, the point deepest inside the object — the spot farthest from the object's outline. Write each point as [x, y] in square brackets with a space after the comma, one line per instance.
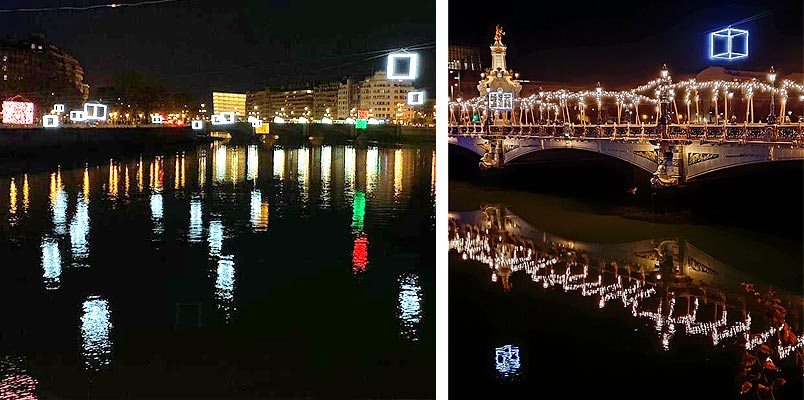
[221, 271]
[557, 296]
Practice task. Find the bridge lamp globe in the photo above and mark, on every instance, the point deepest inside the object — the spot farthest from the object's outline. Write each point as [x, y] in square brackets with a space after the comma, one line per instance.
[772, 75]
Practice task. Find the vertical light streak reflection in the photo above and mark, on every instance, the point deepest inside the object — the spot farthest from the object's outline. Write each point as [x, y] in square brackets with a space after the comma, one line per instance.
[176, 173]
[113, 180]
[224, 286]
[326, 174]
[58, 203]
[358, 212]
[127, 184]
[79, 232]
[157, 206]
[433, 176]
[215, 238]
[259, 211]
[51, 263]
[219, 164]
[12, 207]
[279, 163]
[96, 325]
[252, 159]
[202, 169]
[409, 308]
[398, 170]
[304, 171]
[360, 255]
[16, 383]
[140, 177]
[196, 231]
[183, 169]
[234, 163]
[349, 164]
[507, 361]
[26, 192]
[372, 168]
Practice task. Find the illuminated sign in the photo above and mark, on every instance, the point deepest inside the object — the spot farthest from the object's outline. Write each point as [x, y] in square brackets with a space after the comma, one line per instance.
[361, 124]
[198, 125]
[77, 116]
[95, 112]
[728, 44]
[362, 114]
[501, 101]
[58, 108]
[157, 119]
[18, 112]
[415, 98]
[396, 66]
[50, 121]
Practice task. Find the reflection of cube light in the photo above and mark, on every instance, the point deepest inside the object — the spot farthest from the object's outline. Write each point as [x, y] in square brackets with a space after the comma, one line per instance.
[50, 121]
[501, 101]
[77, 116]
[157, 119]
[415, 98]
[58, 108]
[413, 65]
[95, 112]
[198, 125]
[728, 44]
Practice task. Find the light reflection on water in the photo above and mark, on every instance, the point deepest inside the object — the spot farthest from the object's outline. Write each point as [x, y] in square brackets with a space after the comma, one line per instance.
[409, 308]
[96, 326]
[15, 381]
[506, 361]
[51, 263]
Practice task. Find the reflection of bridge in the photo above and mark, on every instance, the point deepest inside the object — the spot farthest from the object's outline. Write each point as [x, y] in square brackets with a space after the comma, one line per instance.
[669, 282]
[674, 146]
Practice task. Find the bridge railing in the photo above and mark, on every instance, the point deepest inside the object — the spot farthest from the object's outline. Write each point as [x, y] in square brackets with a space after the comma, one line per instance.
[781, 133]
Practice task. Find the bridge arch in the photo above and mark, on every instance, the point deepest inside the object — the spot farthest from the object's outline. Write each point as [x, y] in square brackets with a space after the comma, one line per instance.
[642, 155]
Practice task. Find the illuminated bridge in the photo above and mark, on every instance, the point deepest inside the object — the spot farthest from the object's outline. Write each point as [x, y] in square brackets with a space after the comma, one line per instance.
[676, 137]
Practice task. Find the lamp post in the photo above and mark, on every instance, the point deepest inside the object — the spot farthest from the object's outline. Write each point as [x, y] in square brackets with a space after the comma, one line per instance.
[598, 92]
[541, 98]
[772, 79]
[664, 96]
[730, 95]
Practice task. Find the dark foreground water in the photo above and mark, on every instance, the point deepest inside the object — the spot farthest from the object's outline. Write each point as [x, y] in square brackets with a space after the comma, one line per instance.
[221, 271]
[559, 296]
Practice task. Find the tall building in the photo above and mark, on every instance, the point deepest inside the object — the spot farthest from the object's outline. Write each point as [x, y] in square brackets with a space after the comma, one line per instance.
[348, 98]
[41, 72]
[381, 96]
[229, 102]
[258, 104]
[325, 99]
[292, 103]
[465, 66]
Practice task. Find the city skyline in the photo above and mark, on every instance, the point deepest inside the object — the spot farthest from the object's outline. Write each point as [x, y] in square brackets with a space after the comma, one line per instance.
[201, 46]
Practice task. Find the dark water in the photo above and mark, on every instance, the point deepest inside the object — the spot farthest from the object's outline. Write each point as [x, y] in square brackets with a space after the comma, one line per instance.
[221, 271]
[558, 296]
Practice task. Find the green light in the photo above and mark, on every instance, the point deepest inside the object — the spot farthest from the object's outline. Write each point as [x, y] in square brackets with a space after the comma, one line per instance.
[361, 124]
[358, 211]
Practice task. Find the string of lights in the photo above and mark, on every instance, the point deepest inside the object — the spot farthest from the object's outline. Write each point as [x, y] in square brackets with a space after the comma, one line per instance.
[88, 8]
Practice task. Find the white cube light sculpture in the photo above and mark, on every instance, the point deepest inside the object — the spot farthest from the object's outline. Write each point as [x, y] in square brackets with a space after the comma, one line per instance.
[58, 108]
[255, 122]
[77, 116]
[50, 121]
[415, 98]
[728, 44]
[396, 73]
[157, 119]
[501, 101]
[198, 125]
[95, 111]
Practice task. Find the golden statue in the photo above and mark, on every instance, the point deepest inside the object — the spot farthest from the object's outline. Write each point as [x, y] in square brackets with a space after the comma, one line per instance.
[498, 36]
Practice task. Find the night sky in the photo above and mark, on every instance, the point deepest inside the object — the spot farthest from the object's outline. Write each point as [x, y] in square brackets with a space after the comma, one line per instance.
[623, 44]
[200, 45]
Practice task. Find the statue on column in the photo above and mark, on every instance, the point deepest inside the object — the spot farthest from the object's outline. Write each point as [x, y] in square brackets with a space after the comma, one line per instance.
[498, 36]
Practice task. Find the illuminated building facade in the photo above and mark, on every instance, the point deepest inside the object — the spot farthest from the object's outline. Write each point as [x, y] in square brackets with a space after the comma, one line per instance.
[292, 103]
[325, 99]
[381, 96]
[229, 102]
[258, 104]
[42, 72]
[348, 98]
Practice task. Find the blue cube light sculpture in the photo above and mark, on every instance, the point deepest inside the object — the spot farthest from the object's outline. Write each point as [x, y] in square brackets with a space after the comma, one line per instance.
[728, 44]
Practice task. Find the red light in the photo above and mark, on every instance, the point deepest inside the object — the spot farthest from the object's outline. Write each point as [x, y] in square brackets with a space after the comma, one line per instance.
[360, 255]
[18, 113]
[362, 114]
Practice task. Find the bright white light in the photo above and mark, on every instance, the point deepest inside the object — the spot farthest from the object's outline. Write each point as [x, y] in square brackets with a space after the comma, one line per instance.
[157, 119]
[95, 328]
[215, 238]
[51, 263]
[303, 120]
[279, 120]
[501, 101]
[79, 230]
[372, 167]
[224, 286]
[415, 98]
[373, 121]
[409, 308]
[196, 230]
[198, 125]
[58, 108]
[50, 121]
[258, 222]
[58, 204]
[349, 166]
[349, 121]
[326, 120]
[507, 361]
[95, 112]
[252, 161]
[728, 44]
[219, 163]
[279, 163]
[77, 116]
[303, 172]
[412, 60]
[255, 122]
